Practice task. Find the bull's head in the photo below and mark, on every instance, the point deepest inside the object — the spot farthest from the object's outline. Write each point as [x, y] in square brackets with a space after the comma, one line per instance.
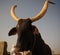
[25, 30]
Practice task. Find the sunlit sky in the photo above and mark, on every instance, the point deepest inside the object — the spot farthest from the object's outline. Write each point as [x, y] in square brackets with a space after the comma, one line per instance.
[49, 25]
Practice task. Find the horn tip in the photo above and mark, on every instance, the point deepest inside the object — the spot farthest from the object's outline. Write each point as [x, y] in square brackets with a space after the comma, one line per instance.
[14, 5]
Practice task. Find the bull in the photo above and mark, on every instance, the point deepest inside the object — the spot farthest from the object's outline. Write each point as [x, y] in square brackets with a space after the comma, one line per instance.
[29, 37]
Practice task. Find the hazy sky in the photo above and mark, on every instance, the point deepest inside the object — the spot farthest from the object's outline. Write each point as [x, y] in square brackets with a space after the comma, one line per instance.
[49, 25]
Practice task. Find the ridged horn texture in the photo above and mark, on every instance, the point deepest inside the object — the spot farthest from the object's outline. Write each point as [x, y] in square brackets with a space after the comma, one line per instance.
[13, 13]
[41, 13]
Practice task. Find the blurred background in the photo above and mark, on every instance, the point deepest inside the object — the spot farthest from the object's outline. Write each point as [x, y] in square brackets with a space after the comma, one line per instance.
[49, 25]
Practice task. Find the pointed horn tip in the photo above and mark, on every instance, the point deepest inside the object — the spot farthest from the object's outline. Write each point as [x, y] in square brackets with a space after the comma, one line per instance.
[14, 6]
[13, 13]
[41, 13]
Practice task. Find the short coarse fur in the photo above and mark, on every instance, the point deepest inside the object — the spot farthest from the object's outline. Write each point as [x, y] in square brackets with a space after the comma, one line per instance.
[28, 34]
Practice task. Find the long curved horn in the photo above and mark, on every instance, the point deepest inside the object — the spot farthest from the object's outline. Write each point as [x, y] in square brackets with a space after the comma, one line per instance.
[41, 13]
[13, 13]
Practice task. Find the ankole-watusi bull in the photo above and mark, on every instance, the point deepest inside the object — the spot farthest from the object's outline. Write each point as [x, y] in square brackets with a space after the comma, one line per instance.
[29, 37]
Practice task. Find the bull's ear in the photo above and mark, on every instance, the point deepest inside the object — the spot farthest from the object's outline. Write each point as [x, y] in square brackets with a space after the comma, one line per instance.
[13, 31]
